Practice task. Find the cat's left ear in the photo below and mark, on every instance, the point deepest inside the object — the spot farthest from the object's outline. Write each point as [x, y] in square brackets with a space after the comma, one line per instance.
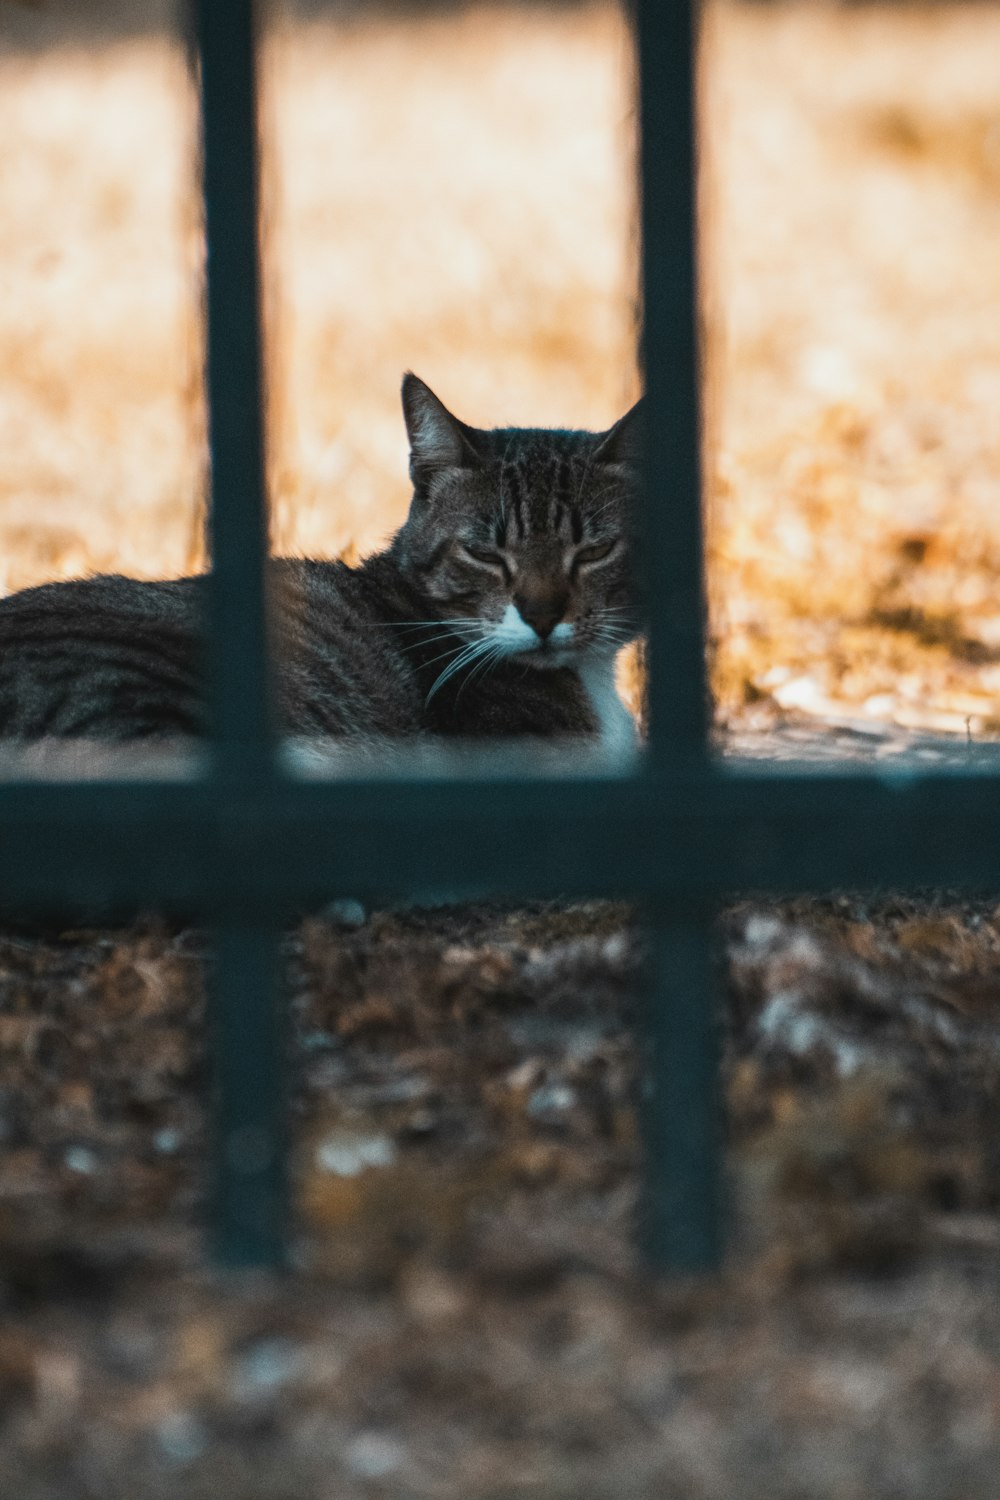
[622, 444]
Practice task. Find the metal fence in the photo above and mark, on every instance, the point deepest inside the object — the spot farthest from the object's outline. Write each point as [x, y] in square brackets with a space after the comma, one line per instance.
[247, 846]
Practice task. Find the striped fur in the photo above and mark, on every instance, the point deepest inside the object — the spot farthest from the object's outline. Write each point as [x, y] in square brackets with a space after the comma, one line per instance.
[497, 607]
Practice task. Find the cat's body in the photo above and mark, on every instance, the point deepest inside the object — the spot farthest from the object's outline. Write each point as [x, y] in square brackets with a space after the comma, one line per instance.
[477, 621]
[114, 658]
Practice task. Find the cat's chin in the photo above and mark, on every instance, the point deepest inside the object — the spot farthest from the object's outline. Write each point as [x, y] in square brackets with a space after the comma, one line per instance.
[548, 657]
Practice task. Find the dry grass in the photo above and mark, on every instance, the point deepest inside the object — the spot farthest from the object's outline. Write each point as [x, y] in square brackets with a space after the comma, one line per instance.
[455, 195]
[856, 350]
[99, 358]
[446, 195]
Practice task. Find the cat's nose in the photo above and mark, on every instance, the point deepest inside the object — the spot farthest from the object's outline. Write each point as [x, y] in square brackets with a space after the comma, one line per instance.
[541, 612]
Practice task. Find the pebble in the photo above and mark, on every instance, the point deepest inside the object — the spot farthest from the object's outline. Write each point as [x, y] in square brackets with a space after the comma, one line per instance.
[267, 1366]
[81, 1159]
[181, 1437]
[551, 1099]
[349, 1155]
[374, 1455]
[319, 1041]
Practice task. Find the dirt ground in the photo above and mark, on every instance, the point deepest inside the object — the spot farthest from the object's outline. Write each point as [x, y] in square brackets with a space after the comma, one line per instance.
[466, 1317]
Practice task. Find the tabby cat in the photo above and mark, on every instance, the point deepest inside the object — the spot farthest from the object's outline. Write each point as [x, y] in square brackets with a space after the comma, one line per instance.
[497, 609]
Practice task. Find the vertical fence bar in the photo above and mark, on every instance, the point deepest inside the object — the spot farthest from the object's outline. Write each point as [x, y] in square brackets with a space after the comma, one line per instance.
[247, 1036]
[674, 567]
[238, 655]
[249, 1097]
[681, 1120]
[682, 1210]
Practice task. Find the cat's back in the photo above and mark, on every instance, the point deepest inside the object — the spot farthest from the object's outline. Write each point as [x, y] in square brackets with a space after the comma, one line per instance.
[109, 657]
[119, 658]
[50, 606]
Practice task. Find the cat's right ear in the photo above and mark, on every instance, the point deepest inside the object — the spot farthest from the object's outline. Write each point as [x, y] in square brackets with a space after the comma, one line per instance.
[622, 443]
[437, 439]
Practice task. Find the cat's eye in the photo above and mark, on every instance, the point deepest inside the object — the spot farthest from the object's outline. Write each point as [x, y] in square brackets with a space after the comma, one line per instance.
[485, 557]
[595, 553]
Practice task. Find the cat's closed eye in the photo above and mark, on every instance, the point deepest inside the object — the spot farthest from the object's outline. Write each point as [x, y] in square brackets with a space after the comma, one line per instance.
[485, 557]
[585, 557]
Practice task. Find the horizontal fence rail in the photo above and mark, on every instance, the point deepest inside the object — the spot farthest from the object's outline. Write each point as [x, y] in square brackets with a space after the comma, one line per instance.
[202, 848]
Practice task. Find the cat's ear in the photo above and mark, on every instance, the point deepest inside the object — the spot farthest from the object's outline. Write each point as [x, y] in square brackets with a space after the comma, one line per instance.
[622, 444]
[437, 439]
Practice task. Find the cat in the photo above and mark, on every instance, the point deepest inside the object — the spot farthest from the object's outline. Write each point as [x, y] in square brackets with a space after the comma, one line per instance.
[497, 609]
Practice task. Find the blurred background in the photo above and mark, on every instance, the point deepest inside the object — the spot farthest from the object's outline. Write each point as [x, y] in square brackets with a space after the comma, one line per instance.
[452, 190]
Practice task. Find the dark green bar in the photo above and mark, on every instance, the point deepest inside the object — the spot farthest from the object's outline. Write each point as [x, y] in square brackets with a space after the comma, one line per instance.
[681, 1179]
[681, 1218]
[249, 1097]
[672, 520]
[238, 512]
[248, 1056]
[208, 849]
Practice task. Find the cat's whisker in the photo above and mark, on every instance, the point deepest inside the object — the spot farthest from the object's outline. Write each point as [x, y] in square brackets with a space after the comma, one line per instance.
[610, 629]
[446, 635]
[486, 663]
[595, 515]
[461, 646]
[452, 628]
[615, 617]
[447, 675]
[427, 624]
[587, 467]
[598, 493]
[469, 654]
[489, 647]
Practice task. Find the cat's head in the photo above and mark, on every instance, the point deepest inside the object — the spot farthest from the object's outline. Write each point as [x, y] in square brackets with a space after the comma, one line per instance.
[522, 538]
